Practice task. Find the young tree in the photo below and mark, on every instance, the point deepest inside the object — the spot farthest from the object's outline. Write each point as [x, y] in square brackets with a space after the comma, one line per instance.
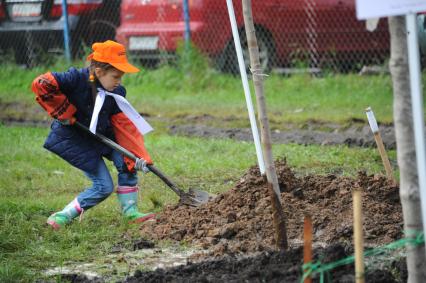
[271, 174]
[403, 120]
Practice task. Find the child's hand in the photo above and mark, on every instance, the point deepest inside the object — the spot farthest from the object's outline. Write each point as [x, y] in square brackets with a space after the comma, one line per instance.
[67, 122]
[141, 165]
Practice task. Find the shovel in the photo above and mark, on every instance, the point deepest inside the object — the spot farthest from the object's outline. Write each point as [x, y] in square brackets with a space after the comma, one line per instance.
[192, 198]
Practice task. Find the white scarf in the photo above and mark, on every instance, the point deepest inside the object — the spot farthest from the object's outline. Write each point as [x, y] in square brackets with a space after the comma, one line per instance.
[124, 106]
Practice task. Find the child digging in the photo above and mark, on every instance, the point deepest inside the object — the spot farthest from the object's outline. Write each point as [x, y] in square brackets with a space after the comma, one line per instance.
[93, 96]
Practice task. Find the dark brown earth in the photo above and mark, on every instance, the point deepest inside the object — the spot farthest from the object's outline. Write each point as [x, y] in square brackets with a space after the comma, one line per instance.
[239, 222]
[268, 267]
[354, 133]
[236, 228]
[360, 136]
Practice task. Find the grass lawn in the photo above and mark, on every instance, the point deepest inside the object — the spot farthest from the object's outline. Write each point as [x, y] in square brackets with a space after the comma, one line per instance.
[35, 183]
[169, 92]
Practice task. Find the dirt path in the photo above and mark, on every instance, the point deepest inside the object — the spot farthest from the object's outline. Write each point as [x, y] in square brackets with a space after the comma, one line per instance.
[355, 133]
[352, 136]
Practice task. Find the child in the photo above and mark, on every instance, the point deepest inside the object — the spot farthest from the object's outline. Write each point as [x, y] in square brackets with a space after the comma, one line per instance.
[71, 96]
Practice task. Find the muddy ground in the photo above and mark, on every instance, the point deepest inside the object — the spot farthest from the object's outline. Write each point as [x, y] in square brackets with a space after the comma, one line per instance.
[235, 230]
[354, 132]
[239, 223]
[269, 267]
[354, 135]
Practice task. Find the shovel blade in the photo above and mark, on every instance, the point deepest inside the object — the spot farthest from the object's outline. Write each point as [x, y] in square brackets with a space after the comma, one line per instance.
[201, 196]
[195, 197]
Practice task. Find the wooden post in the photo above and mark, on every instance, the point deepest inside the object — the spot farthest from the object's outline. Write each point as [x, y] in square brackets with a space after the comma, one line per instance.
[271, 174]
[379, 142]
[384, 156]
[307, 243]
[358, 236]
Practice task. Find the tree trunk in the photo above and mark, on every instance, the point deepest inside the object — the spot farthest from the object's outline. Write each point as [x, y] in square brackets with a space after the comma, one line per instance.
[271, 174]
[403, 120]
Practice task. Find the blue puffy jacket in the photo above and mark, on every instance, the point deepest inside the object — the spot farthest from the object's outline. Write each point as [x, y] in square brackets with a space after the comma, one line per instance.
[74, 146]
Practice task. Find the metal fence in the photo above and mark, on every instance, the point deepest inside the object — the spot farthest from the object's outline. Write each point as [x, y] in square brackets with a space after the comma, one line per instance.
[311, 34]
[32, 31]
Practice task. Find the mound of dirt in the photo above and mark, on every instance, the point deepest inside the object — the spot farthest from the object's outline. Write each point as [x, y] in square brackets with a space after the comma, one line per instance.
[240, 221]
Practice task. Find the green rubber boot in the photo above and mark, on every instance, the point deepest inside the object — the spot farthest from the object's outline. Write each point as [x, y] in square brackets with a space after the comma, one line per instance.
[65, 216]
[128, 197]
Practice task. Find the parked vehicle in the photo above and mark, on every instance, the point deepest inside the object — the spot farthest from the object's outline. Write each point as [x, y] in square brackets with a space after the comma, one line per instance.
[32, 28]
[314, 31]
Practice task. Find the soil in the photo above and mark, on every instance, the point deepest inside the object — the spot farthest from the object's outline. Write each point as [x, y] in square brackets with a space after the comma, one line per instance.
[266, 267]
[352, 136]
[236, 231]
[238, 223]
[240, 220]
[355, 133]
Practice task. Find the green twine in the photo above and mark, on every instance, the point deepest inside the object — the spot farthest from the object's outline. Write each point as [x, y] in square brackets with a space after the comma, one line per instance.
[311, 268]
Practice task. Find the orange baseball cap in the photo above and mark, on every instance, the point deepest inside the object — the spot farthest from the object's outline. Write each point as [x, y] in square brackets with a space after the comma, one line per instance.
[112, 53]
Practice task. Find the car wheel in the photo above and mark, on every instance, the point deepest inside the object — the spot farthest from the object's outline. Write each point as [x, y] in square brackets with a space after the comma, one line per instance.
[97, 31]
[228, 61]
[78, 48]
[30, 52]
[101, 30]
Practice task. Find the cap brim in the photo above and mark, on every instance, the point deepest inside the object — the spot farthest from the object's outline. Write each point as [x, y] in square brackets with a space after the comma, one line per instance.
[125, 67]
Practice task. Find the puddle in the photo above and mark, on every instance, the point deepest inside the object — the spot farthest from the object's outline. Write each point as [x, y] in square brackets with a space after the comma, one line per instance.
[117, 266]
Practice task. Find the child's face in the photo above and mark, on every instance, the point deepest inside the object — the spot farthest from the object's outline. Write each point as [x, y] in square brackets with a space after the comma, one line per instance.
[110, 78]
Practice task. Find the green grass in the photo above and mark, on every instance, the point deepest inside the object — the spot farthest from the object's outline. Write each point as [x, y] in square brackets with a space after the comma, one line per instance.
[35, 183]
[171, 92]
[297, 99]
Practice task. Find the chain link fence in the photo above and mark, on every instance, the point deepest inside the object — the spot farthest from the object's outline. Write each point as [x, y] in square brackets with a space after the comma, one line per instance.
[310, 34]
[32, 31]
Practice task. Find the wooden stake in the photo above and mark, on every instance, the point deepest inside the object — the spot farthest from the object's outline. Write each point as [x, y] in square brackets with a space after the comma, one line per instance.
[307, 243]
[358, 236]
[379, 142]
[384, 156]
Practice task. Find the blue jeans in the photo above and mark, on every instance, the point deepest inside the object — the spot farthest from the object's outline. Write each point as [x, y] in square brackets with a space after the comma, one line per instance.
[103, 185]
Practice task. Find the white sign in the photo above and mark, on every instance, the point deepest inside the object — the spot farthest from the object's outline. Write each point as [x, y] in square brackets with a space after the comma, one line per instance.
[366, 9]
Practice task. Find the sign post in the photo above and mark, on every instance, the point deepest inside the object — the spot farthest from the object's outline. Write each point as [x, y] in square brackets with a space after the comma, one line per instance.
[417, 106]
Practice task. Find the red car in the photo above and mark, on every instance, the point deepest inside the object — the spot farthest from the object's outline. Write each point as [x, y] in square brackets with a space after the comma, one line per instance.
[33, 29]
[314, 31]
